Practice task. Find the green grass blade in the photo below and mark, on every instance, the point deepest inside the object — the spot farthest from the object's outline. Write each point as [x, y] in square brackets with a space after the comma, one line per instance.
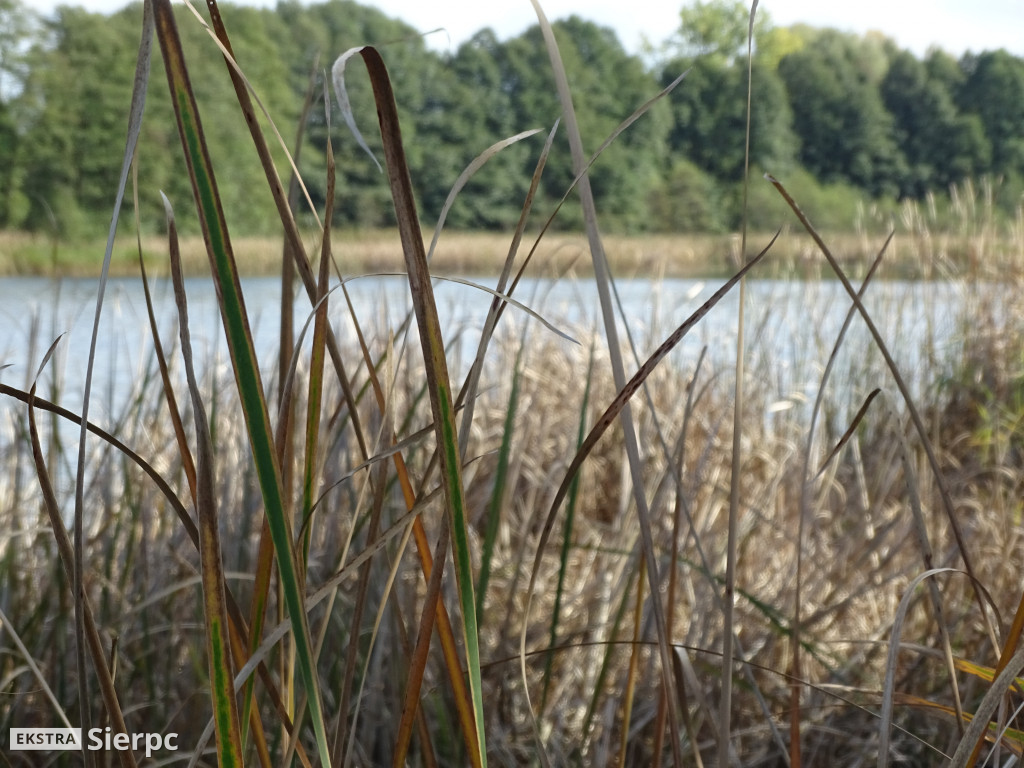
[439, 385]
[567, 528]
[281, 201]
[243, 357]
[498, 492]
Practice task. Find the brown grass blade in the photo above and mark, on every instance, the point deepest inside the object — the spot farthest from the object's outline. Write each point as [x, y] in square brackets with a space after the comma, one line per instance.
[340, 754]
[677, 522]
[736, 469]
[320, 327]
[629, 694]
[1010, 647]
[188, 464]
[462, 695]
[418, 662]
[134, 129]
[287, 316]
[432, 344]
[236, 631]
[342, 743]
[927, 556]
[851, 430]
[439, 387]
[219, 658]
[796, 665]
[67, 556]
[463, 701]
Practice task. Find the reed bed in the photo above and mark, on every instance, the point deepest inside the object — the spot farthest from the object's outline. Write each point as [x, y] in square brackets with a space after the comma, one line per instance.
[927, 245]
[380, 553]
[859, 551]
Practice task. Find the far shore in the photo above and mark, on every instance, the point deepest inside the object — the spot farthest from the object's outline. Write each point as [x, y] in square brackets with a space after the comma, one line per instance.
[484, 253]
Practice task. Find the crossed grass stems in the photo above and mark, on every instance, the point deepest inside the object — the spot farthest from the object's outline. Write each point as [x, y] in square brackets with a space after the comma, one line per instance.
[789, 543]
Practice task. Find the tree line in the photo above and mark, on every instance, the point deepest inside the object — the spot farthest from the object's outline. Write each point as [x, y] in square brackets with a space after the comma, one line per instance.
[844, 118]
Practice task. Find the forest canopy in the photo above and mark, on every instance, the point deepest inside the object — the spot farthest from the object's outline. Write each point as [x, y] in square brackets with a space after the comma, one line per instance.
[847, 119]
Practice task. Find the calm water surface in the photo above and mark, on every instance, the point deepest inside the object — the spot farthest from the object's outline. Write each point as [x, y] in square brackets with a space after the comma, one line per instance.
[792, 325]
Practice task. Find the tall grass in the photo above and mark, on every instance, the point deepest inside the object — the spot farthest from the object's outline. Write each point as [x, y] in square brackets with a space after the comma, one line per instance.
[488, 571]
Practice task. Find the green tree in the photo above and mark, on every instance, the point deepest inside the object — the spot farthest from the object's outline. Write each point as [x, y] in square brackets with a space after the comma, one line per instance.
[475, 112]
[19, 26]
[688, 200]
[18, 29]
[855, 112]
[941, 146]
[717, 29]
[258, 38]
[709, 110]
[607, 86]
[844, 129]
[945, 70]
[330, 29]
[994, 91]
[75, 105]
[75, 100]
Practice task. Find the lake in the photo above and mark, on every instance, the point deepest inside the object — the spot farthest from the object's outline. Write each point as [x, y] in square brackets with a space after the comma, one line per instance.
[791, 325]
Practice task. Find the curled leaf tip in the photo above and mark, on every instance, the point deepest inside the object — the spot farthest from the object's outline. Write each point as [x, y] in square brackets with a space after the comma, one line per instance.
[338, 78]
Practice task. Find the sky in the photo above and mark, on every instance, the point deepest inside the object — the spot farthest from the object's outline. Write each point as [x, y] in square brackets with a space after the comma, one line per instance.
[954, 25]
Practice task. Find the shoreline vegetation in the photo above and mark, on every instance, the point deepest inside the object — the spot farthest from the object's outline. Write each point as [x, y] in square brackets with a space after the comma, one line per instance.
[910, 255]
[845, 121]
